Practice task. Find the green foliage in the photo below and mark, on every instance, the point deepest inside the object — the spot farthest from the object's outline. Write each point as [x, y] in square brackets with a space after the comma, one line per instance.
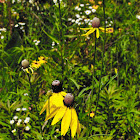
[103, 76]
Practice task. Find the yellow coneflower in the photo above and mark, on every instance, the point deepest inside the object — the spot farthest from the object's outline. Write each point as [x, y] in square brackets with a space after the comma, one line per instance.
[35, 64]
[42, 60]
[64, 110]
[96, 27]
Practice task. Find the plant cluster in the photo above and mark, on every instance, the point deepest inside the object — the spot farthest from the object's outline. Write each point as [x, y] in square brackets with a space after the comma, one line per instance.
[92, 47]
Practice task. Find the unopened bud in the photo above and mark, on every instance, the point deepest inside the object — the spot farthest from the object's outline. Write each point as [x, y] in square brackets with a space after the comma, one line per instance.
[25, 63]
[68, 100]
[56, 86]
[96, 22]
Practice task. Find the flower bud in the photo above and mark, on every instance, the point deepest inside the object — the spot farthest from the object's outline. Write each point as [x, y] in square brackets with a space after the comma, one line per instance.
[25, 63]
[96, 22]
[68, 100]
[56, 86]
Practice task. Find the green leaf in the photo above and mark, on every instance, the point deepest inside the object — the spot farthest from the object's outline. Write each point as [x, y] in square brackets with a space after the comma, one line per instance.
[76, 84]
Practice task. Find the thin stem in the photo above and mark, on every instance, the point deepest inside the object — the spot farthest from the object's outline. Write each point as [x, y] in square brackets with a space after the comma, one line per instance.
[61, 41]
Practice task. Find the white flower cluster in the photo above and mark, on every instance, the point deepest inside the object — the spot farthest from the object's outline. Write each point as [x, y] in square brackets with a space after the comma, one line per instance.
[19, 109]
[20, 25]
[19, 121]
[36, 42]
[80, 16]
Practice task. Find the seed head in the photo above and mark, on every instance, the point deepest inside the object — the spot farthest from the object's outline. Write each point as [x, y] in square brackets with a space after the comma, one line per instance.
[56, 86]
[69, 100]
[96, 22]
[25, 63]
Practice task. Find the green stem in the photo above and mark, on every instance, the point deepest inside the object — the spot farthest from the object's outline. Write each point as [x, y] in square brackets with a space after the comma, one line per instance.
[61, 40]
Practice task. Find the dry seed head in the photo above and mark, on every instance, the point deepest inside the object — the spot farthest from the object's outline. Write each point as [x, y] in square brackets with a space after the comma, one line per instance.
[56, 86]
[25, 63]
[68, 100]
[96, 22]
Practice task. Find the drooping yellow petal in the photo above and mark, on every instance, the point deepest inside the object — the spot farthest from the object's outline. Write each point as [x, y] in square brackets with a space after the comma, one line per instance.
[57, 100]
[102, 29]
[97, 32]
[78, 128]
[90, 31]
[44, 107]
[59, 115]
[52, 114]
[74, 122]
[66, 122]
[86, 28]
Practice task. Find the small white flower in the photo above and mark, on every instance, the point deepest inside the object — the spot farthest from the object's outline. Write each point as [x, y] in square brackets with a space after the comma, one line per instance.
[76, 7]
[77, 15]
[77, 21]
[139, 133]
[82, 5]
[26, 121]
[69, 19]
[18, 123]
[73, 20]
[13, 131]
[55, 1]
[21, 23]
[18, 109]
[27, 128]
[15, 117]
[93, 10]
[34, 40]
[111, 22]
[138, 17]
[89, 23]
[24, 109]
[90, 7]
[16, 25]
[2, 37]
[25, 94]
[87, 12]
[31, 1]
[13, 1]
[12, 121]
[79, 9]
[20, 120]
[53, 43]
[86, 20]
[21, 27]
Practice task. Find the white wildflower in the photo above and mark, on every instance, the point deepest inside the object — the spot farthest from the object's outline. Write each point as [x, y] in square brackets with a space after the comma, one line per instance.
[15, 117]
[138, 17]
[16, 25]
[18, 109]
[12, 121]
[13, 131]
[24, 109]
[2, 37]
[25, 94]
[93, 10]
[87, 12]
[27, 128]
[81, 5]
[21, 23]
[77, 15]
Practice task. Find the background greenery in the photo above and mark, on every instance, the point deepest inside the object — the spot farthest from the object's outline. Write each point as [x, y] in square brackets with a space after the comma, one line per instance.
[103, 78]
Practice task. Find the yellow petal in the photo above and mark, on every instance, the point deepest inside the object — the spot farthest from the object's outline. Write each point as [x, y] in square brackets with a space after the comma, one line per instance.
[78, 128]
[57, 100]
[59, 115]
[74, 122]
[90, 31]
[66, 122]
[102, 29]
[97, 32]
[44, 107]
[86, 28]
[63, 93]
[52, 114]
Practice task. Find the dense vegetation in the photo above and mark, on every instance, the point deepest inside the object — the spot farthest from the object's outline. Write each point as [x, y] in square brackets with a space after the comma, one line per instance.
[102, 73]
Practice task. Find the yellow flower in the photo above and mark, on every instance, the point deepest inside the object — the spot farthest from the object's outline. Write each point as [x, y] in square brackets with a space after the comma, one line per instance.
[59, 110]
[95, 7]
[95, 28]
[52, 103]
[35, 64]
[42, 60]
